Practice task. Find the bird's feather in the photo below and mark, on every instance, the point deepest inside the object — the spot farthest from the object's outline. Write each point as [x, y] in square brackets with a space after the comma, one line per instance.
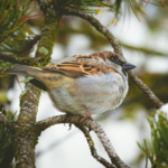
[76, 69]
[21, 70]
[80, 65]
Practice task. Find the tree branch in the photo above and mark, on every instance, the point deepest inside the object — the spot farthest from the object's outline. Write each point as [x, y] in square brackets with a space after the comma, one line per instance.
[6, 122]
[92, 125]
[92, 148]
[21, 60]
[153, 98]
[26, 136]
[143, 49]
[117, 48]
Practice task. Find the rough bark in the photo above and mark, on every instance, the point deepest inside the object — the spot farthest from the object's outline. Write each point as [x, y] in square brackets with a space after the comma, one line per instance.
[26, 134]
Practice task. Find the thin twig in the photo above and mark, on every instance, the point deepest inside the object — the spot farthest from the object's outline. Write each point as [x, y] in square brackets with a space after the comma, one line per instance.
[92, 148]
[142, 49]
[117, 48]
[92, 125]
[19, 83]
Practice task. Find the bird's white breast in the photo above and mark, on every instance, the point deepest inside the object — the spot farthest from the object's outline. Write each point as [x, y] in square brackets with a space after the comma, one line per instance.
[98, 93]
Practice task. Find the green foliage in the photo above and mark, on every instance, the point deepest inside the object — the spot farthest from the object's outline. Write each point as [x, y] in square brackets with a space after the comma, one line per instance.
[131, 5]
[118, 6]
[158, 156]
[90, 6]
[14, 33]
[15, 36]
[5, 142]
[27, 79]
[11, 115]
[136, 6]
[6, 138]
[13, 15]
[4, 65]
[3, 97]
[18, 42]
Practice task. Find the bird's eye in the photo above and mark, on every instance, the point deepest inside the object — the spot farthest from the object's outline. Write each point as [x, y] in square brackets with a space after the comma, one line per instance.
[116, 60]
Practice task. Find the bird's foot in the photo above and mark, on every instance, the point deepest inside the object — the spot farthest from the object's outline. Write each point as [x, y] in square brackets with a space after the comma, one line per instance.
[85, 118]
[88, 115]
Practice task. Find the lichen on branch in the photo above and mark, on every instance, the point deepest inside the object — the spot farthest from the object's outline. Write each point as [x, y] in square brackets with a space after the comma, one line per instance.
[25, 148]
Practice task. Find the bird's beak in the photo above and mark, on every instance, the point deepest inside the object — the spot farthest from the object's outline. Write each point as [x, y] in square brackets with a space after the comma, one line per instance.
[127, 66]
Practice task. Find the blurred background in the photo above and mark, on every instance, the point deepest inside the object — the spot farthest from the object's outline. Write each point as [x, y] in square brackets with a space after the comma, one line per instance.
[144, 44]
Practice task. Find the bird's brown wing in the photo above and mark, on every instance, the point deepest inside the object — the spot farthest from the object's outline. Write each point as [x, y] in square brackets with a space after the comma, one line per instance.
[76, 69]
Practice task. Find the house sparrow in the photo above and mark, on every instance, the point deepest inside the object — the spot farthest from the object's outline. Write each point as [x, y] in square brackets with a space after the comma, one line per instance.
[82, 84]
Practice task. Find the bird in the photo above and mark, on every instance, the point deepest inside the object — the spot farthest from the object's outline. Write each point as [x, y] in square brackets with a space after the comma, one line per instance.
[82, 84]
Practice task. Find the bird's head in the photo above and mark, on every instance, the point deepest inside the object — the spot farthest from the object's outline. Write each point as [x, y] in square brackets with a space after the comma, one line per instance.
[117, 61]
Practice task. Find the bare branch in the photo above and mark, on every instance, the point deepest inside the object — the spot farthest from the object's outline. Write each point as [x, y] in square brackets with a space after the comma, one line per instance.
[117, 48]
[92, 125]
[92, 148]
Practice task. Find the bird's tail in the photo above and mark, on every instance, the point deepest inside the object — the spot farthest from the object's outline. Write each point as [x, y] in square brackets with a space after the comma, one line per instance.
[23, 70]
